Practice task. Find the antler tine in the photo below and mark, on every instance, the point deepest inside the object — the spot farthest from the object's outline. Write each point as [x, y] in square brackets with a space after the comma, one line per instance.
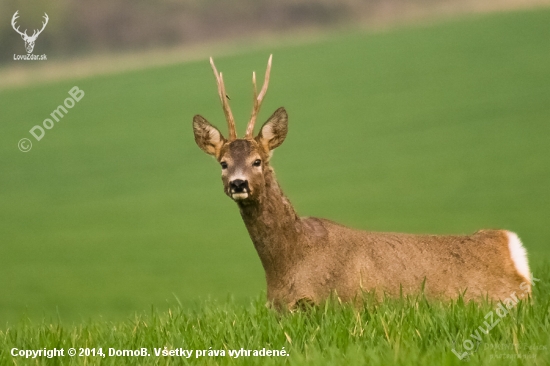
[258, 98]
[44, 23]
[14, 18]
[13, 23]
[225, 103]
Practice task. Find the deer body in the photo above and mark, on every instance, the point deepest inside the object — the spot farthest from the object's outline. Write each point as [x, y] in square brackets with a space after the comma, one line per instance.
[307, 259]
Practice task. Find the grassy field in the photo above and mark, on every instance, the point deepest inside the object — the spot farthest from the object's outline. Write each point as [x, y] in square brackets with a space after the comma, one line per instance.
[391, 332]
[435, 129]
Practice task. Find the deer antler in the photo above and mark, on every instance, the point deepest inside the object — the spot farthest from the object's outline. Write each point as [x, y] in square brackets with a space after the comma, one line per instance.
[37, 32]
[13, 21]
[225, 103]
[258, 98]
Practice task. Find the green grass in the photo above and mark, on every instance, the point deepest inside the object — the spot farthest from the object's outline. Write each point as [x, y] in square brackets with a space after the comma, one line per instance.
[435, 129]
[403, 331]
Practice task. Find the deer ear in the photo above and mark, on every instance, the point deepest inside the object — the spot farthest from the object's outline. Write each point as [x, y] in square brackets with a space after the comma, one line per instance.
[273, 132]
[207, 137]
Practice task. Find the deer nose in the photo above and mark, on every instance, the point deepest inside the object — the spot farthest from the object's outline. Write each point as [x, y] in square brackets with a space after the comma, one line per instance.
[238, 186]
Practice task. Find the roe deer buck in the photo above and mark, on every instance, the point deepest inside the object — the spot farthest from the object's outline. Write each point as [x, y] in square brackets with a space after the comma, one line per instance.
[306, 259]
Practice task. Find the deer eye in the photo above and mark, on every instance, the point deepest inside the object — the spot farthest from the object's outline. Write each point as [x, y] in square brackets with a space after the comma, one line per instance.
[223, 164]
[257, 162]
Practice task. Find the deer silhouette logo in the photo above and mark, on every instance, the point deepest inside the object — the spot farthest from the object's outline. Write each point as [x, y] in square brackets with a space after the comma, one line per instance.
[29, 40]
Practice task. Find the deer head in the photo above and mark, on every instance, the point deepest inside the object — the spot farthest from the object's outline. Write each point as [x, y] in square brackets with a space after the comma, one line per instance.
[29, 40]
[244, 162]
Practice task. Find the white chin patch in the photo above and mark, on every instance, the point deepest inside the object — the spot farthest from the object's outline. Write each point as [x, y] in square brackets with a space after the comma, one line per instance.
[239, 196]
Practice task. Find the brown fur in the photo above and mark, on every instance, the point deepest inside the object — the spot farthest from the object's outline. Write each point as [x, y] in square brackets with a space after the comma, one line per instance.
[306, 259]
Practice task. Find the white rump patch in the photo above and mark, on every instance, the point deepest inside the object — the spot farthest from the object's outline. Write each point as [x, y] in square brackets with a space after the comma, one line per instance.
[519, 255]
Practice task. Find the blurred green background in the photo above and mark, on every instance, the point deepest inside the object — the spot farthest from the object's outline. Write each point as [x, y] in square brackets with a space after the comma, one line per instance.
[441, 128]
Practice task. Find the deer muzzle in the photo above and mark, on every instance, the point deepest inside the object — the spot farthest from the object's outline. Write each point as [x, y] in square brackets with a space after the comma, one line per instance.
[239, 189]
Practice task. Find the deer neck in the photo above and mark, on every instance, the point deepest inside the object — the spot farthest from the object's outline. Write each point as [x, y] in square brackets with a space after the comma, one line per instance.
[274, 227]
